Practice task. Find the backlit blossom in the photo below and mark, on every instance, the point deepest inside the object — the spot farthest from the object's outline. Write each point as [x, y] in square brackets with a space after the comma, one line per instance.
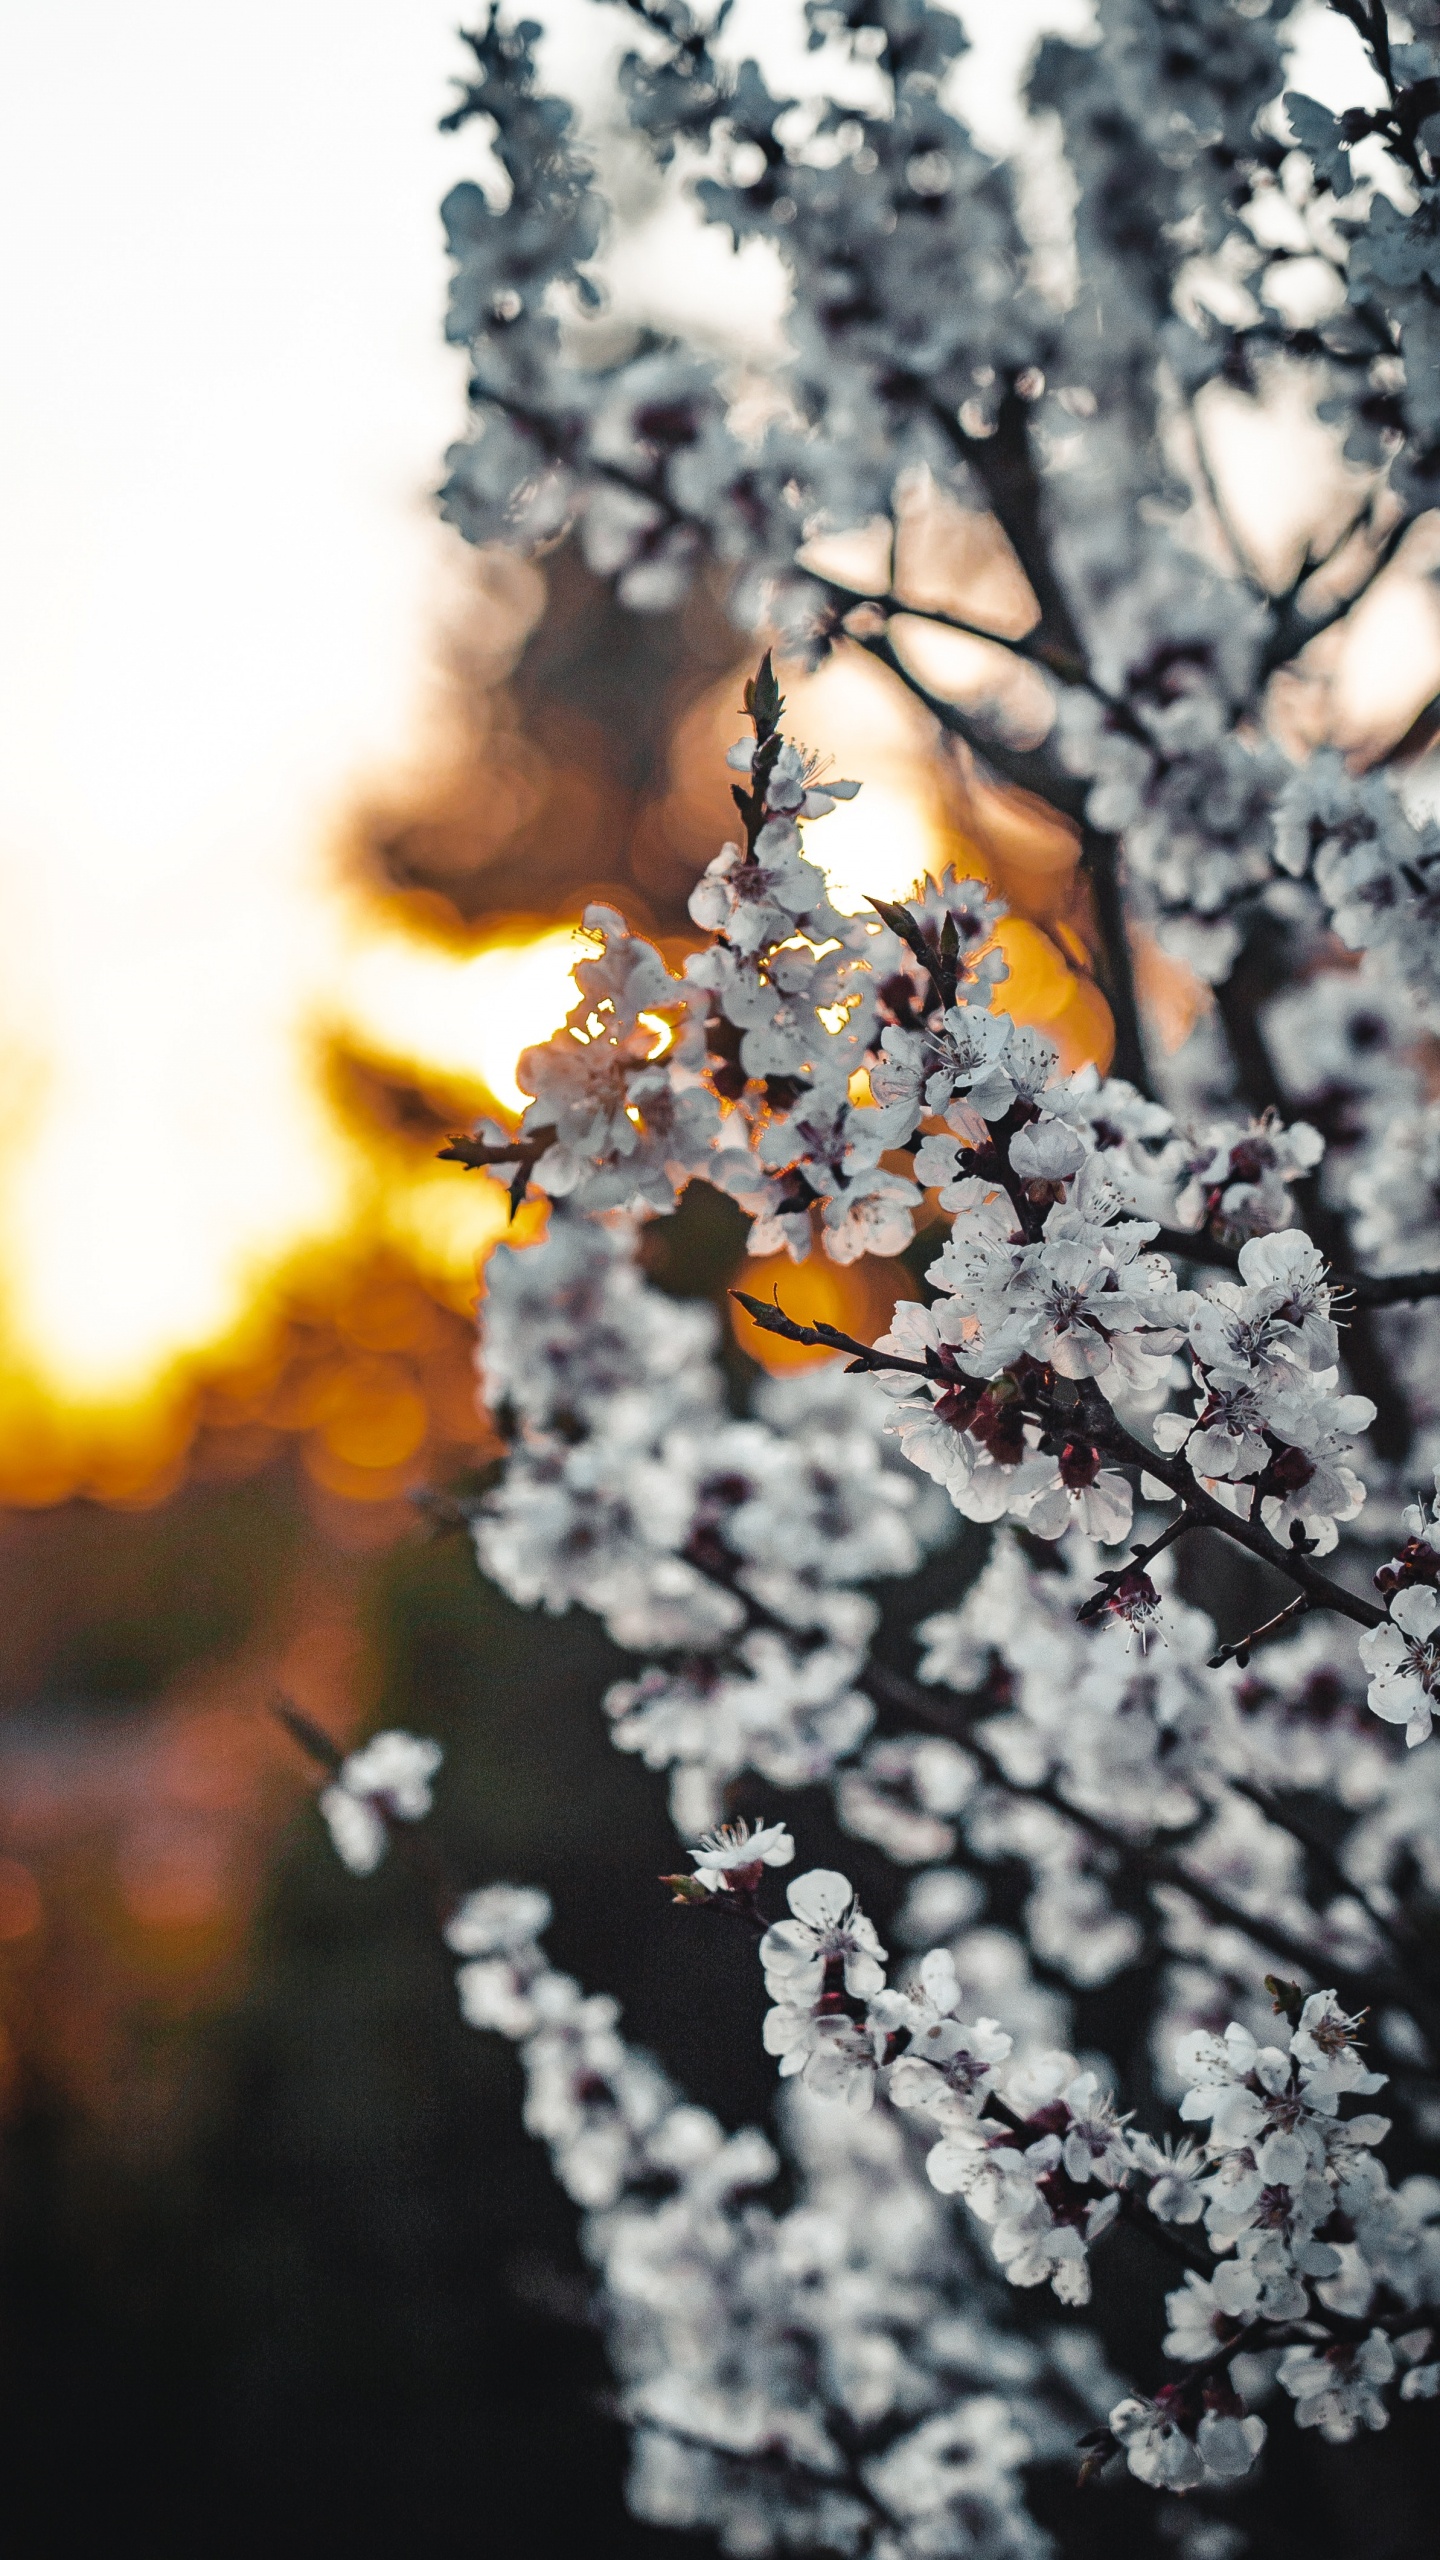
[1131, 1303]
[731, 1856]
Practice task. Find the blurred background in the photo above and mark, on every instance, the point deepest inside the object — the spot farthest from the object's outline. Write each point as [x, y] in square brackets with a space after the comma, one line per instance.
[299, 806]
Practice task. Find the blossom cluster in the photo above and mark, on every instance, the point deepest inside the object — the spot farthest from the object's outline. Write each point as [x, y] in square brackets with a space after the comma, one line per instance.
[1045, 2162]
[386, 1781]
[1064, 1365]
[835, 2374]
[1189, 1308]
[1044, 1291]
[738, 1549]
[843, 2368]
[1223, 231]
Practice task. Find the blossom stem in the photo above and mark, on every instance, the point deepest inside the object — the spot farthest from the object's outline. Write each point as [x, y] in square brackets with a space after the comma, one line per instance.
[1029, 768]
[1141, 1559]
[1390, 1288]
[1056, 661]
[1404, 1945]
[778, 2458]
[314, 1741]
[1100, 861]
[1319, 1590]
[1240, 1650]
[1366, 1288]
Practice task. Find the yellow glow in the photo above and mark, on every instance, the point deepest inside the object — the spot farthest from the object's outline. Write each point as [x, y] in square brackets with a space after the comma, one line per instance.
[172, 1150]
[175, 1144]
[444, 1226]
[880, 844]
[415, 1003]
[664, 1033]
[875, 847]
[859, 1297]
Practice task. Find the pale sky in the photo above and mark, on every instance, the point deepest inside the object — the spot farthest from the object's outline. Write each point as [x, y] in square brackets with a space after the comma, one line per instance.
[225, 402]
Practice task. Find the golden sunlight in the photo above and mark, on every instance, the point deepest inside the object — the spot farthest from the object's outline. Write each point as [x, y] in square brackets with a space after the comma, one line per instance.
[216, 637]
[419, 1004]
[177, 1154]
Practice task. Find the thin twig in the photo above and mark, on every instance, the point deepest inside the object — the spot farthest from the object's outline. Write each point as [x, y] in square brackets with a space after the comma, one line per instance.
[1035, 650]
[1242, 1646]
[1141, 1559]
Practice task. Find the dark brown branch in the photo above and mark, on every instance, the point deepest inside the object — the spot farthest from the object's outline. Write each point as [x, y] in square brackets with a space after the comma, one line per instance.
[1390, 1288]
[1141, 1559]
[826, 1337]
[778, 2461]
[1099, 1422]
[1404, 1946]
[1027, 768]
[1242, 1647]
[1031, 769]
[312, 1738]
[1004, 465]
[1293, 630]
[519, 1154]
[1365, 1288]
[1101, 861]
[1029, 645]
[1317, 1587]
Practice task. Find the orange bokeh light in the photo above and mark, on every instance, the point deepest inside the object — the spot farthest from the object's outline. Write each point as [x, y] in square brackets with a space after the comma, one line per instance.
[859, 1297]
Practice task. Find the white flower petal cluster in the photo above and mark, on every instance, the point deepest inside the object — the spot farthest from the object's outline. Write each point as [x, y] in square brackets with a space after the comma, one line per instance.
[790, 2375]
[1166, 2452]
[1403, 1660]
[820, 1966]
[386, 1781]
[1042, 2179]
[1403, 1656]
[1041, 2157]
[1270, 1435]
[1239, 1176]
[732, 1857]
[740, 1548]
[1284, 2164]
[1377, 871]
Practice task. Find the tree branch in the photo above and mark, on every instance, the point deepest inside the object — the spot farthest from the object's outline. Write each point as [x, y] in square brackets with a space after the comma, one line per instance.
[1030, 645]
[1027, 768]
[1098, 1420]
[1101, 862]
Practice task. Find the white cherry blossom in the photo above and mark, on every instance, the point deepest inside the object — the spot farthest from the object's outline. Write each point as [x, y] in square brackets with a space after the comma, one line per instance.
[734, 1853]
[386, 1781]
[1403, 1661]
